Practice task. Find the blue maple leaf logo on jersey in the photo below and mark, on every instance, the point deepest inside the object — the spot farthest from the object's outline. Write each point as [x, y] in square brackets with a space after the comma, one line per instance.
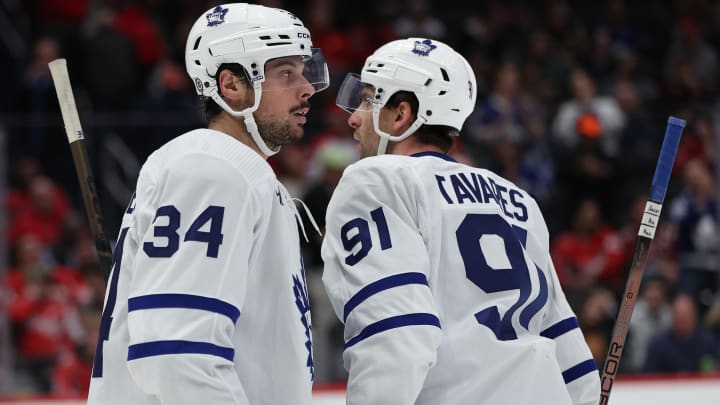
[216, 17]
[423, 48]
[303, 305]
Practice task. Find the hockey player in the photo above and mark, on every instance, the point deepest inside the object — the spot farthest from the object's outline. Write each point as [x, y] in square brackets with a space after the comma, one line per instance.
[440, 271]
[207, 301]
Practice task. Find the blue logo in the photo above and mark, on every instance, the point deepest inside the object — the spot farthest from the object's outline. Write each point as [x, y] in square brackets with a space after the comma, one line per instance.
[303, 305]
[216, 17]
[423, 48]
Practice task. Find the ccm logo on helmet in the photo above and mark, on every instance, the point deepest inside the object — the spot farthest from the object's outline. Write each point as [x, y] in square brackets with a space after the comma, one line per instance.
[303, 35]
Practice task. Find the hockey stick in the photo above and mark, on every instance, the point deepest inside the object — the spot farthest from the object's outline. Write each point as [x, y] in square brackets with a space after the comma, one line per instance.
[59, 72]
[649, 222]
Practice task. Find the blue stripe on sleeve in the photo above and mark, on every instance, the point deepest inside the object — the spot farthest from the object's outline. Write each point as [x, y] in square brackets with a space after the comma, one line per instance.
[560, 328]
[383, 284]
[579, 370]
[163, 347]
[184, 301]
[392, 323]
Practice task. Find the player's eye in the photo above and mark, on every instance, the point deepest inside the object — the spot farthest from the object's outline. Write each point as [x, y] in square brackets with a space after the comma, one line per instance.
[367, 102]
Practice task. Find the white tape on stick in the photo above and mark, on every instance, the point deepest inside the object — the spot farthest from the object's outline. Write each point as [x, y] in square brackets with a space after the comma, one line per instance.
[59, 72]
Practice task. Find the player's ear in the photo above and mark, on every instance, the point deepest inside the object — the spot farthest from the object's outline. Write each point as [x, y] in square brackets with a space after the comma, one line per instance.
[233, 88]
[403, 117]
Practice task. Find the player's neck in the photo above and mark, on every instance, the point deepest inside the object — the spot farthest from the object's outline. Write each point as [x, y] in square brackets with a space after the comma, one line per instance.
[235, 127]
[410, 147]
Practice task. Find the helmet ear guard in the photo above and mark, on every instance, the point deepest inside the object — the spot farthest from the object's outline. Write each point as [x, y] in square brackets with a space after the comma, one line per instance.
[249, 35]
[441, 79]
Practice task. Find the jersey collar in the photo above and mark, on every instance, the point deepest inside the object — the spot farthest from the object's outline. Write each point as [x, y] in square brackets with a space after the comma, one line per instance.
[436, 154]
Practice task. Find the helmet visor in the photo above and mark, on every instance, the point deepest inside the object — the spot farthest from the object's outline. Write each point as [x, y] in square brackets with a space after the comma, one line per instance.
[296, 71]
[316, 70]
[354, 95]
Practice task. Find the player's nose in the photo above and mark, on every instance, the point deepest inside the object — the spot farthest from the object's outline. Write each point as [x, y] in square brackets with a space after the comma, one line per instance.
[307, 91]
[354, 120]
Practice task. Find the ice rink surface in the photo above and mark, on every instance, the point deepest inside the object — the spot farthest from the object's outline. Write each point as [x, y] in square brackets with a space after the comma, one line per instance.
[628, 391]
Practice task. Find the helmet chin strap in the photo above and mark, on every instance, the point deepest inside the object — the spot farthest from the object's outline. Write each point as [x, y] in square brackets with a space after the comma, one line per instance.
[248, 118]
[386, 137]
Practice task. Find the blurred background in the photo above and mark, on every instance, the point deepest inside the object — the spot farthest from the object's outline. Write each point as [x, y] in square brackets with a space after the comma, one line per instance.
[573, 97]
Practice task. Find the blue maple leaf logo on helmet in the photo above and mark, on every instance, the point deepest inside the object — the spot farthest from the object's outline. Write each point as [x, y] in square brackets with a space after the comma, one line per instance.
[216, 17]
[423, 48]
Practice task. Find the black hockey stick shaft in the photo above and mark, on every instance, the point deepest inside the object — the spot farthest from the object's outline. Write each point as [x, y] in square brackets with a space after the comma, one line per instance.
[648, 225]
[71, 119]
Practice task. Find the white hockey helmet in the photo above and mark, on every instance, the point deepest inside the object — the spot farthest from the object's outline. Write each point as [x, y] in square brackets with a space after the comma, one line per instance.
[249, 35]
[441, 79]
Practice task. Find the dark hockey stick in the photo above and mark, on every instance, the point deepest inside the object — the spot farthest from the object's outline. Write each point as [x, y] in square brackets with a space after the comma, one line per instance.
[649, 222]
[59, 72]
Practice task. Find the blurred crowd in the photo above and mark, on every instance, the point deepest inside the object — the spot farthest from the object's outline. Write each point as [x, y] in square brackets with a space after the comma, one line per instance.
[573, 97]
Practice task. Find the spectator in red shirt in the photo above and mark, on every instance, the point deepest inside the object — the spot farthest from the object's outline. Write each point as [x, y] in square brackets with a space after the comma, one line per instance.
[133, 21]
[42, 313]
[41, 213]
[71, 376]
[587, 254]
[18, 197]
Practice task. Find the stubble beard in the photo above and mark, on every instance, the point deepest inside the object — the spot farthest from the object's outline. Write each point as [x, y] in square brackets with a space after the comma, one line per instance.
[278, 133]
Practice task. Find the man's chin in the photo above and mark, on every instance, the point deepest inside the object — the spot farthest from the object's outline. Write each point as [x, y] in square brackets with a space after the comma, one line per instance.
[292, 137]
[297, 134]
[280, 135]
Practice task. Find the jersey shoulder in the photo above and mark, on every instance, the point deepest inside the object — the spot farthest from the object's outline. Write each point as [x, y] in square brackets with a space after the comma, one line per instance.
[205, 155]
[388, 168]
[378, 162]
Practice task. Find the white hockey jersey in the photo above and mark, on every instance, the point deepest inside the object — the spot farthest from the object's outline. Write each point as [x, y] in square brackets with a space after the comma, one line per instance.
[442, 277]
[207, 301]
